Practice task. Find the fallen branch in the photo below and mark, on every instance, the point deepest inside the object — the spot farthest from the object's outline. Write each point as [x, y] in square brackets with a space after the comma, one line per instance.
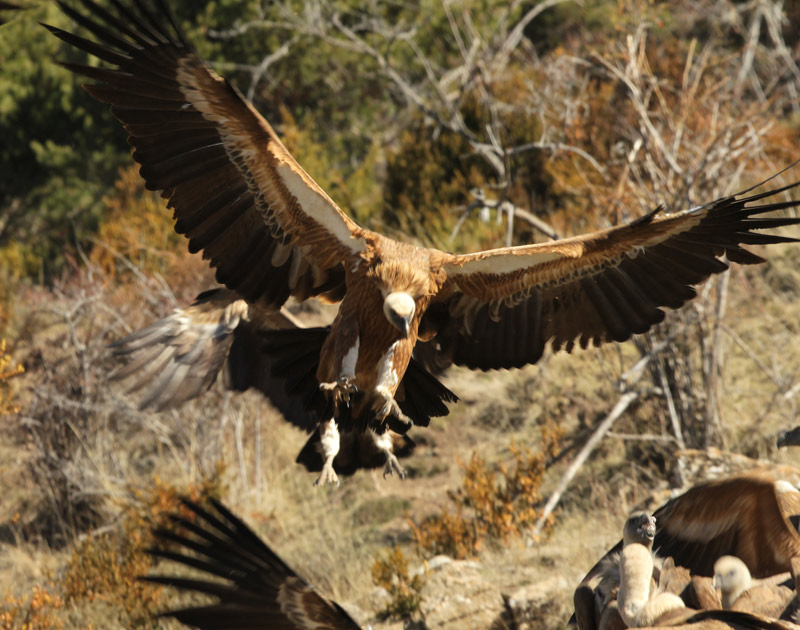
[629, 395]
[623, 403]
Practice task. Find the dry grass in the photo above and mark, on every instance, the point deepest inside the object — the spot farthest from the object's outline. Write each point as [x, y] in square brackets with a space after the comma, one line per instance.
[332, 536]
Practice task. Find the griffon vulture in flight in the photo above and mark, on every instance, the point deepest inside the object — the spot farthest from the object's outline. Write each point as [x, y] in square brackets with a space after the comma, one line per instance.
[254, 587]
[271, 232]
[178, 357]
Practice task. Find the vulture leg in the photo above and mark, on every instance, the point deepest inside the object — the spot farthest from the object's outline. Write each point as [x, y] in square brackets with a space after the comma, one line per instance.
[386, 405]
[385, 444]
[329, 442]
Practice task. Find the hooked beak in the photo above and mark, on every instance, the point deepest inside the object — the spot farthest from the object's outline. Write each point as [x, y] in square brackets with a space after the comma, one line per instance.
[402, 324]
[650, 527]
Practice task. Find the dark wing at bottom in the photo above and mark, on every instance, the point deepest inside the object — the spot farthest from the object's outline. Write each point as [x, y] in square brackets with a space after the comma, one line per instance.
[254, 587]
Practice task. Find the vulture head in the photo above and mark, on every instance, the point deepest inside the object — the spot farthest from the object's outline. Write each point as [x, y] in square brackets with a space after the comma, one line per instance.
[732, 578]
[639, 528]
[399, 308]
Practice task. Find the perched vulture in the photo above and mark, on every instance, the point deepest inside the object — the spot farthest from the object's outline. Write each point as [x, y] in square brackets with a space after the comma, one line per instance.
[773, 597]
[271, 232]
[253, 586]
[752, 516]
[634, 589]
[639, 604]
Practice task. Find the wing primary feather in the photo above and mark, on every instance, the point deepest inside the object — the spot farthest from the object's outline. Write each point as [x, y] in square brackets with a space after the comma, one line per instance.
[124, 99]
[152, 86]
[205, 237]
[181, 171]
[176, 27]
[646, 312]
[185, 148]
[612, 284]
[116, 23]
[101, 52]
[157, 28]
[152, 123]
[99, 31]
[223, 591]
[605, 309]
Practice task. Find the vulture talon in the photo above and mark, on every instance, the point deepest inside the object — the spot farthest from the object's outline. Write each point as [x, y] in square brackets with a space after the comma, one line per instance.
[393, 466]
[340, 390]
[327, 476]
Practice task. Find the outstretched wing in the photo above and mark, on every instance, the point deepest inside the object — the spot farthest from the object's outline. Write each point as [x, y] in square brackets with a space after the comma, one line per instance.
[237, 194]
[178, 357]
[502, 306]
[255, 588]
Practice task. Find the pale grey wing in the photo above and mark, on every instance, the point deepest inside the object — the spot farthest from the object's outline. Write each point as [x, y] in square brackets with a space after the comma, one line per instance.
[177, 358]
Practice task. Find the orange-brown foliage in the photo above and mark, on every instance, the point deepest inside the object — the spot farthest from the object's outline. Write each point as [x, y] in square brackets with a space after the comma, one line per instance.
[138, 227]
[491, 505]
[7, 372]
[36, 611]
[391, 573]
[105, 567]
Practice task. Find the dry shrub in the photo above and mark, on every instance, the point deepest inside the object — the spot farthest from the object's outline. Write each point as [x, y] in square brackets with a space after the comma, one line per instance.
[80, 442]
[138, 235]
[405, 591]
[7, 372]
[491, 505]
[105, 567]
[36, 611]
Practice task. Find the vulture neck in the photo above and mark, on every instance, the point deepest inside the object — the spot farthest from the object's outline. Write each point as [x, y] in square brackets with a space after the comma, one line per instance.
[637, 606]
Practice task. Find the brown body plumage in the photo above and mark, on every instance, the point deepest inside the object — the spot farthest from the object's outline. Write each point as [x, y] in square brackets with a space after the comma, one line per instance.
[271, 232]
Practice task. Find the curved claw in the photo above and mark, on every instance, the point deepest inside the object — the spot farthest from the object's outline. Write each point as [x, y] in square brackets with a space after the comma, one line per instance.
[389, 407]
[328, 475]
[340, 390]
[393, 466]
